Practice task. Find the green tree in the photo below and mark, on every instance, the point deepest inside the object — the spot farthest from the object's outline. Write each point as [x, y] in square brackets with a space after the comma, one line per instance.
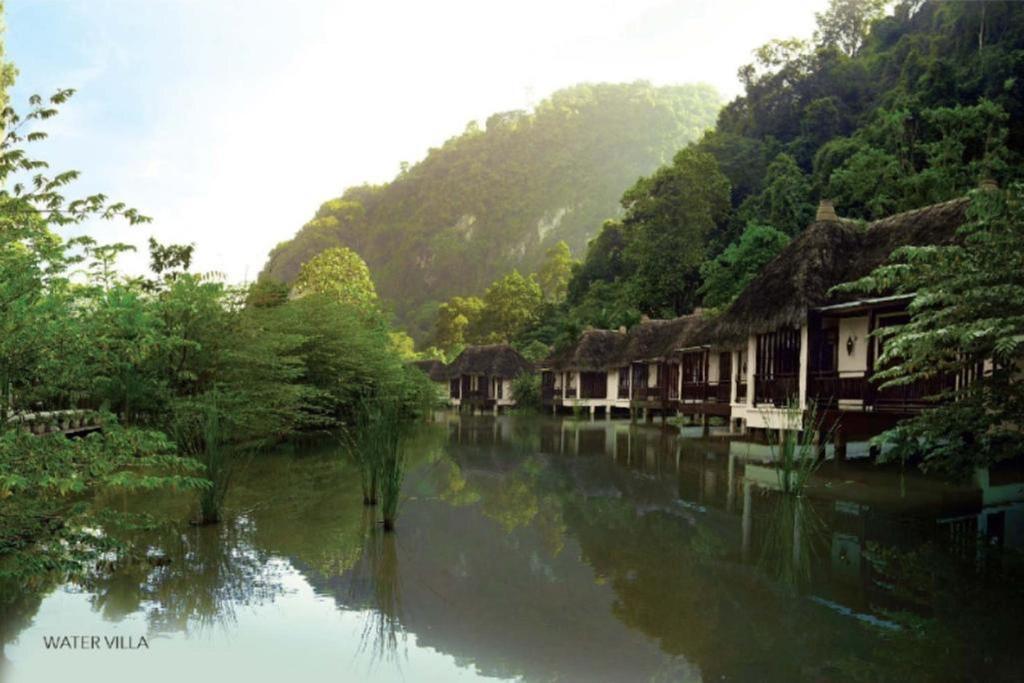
[510, 304]
[341, 274]
[786, 198]
[669, 216]
[555, 272]
[968, 311]
[845, 24]
[267, 293]
[732, 270]
[458, 320]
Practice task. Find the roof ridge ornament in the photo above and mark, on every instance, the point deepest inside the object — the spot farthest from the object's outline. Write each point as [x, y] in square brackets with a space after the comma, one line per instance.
[826, 211]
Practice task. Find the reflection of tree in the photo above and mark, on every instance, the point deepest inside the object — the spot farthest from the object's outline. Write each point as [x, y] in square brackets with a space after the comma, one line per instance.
[208, 571]
[307, 509]
[17, 608]
[966, 619]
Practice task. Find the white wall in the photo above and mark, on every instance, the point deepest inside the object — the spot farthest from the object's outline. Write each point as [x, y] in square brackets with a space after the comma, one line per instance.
[613, 385]
[652, 374]
[857, 364]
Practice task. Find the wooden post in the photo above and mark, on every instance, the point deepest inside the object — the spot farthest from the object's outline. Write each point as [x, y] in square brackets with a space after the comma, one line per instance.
[748, 520]
[840, 439]
[707, 425]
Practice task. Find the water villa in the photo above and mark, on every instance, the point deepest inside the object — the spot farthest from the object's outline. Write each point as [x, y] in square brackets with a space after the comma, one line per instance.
[480, 378]
[788, 344]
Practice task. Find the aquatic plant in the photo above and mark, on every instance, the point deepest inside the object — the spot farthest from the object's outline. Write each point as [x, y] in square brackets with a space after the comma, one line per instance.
[374, 442]
[794, 443]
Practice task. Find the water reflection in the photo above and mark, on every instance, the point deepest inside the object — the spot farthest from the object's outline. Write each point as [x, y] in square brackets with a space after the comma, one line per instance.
[561, 550]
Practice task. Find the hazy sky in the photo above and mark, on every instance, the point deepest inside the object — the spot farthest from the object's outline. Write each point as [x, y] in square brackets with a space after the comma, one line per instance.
[230, 121]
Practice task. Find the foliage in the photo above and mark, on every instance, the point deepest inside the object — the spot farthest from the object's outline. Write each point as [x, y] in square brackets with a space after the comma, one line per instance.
[197, 376]
[458, 322]
[375, 444]
[967, 322]
[499, 195]
[554, 273]
[341, 274]
[731, 271]
[510, 304]
[668, 218]
[845, 24]
[47, 520]
[526, 391]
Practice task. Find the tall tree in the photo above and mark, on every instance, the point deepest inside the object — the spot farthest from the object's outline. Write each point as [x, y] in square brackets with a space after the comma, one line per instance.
[457, 322]
[845, 24]
[555, 272]
[733, 269]
[668, 218]
[340, 274]
[510, 304]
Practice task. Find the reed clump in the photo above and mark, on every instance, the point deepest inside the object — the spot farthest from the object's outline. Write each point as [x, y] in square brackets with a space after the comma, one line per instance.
[375, 443]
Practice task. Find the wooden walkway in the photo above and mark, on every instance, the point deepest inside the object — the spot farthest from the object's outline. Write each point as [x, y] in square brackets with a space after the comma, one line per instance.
[71, 423]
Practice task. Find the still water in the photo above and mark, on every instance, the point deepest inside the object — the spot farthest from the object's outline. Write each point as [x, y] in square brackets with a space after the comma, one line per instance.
[542, 550]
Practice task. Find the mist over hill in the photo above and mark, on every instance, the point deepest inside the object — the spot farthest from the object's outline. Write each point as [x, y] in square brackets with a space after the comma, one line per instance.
[498, 195]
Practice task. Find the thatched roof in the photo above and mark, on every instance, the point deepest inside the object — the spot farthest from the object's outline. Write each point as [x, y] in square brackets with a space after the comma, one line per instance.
[433, 368]
[595, 350]
[829, 253]
[494, 360]
[658, 339]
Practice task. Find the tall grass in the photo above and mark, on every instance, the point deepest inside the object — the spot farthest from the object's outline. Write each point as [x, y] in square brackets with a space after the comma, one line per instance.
[791, 537]
[198, 430]
[374, 443]
[794, 447]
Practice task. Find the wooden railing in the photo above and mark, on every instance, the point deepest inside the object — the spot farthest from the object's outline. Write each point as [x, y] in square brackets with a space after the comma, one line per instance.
[826, 390]
[741, 390]
[779, 391]
[717, 392]
[70, 422]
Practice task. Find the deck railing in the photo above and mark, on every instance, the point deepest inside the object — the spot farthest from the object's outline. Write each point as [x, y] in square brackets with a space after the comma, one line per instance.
[741, 391]
[706, 392]
[827, 390]
[779, 390]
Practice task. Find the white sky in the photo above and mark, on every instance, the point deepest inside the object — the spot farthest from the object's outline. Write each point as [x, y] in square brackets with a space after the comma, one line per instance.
[230, 121]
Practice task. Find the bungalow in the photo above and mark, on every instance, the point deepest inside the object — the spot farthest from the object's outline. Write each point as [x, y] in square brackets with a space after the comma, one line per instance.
[806, 346]
[706, 376]
[480, 378]
[587, 375]
[654, 365]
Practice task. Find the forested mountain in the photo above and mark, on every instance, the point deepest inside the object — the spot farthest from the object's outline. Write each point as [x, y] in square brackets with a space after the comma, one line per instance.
[880, 112]
[497, 197]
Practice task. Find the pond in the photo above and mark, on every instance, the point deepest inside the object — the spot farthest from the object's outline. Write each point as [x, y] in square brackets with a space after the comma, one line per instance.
[538, 549]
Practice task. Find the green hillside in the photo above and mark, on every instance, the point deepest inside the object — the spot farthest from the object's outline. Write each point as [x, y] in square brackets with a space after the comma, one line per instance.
[496, 196]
